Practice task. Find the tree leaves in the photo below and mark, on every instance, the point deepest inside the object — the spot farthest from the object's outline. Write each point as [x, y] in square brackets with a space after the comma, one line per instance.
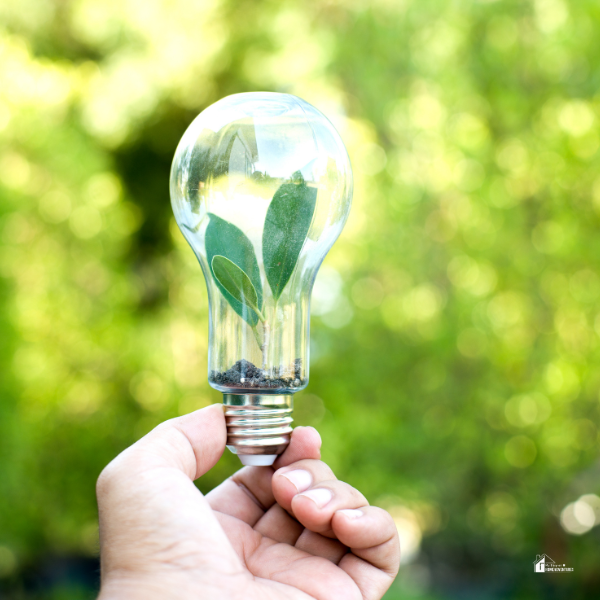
[236, 282]
[225, 239]
[286, 226]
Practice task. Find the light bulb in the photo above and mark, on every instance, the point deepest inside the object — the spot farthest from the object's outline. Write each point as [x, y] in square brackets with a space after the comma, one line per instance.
[261, 186]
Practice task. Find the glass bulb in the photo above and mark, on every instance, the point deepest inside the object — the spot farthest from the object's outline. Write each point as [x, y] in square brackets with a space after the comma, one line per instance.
[261, 186]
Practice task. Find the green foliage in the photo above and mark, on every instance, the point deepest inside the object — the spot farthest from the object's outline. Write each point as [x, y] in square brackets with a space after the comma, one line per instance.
[225, 239]
[234, 281]
[287, 223]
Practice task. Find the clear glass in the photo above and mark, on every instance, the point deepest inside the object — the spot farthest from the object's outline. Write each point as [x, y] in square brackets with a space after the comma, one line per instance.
[261, 186]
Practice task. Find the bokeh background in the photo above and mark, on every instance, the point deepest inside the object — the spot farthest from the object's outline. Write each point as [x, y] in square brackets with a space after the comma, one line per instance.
[456, 323]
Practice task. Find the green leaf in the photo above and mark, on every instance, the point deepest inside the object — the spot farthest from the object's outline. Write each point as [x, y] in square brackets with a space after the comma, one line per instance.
[286, 226]
[225, 239]
[236, 282]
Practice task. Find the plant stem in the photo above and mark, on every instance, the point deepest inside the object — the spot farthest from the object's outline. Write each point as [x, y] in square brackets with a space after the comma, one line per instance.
[264, 343]
[265, 346]
[269, 352]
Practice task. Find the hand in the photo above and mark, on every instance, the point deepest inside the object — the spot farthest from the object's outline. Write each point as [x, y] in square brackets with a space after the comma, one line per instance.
[289, 532]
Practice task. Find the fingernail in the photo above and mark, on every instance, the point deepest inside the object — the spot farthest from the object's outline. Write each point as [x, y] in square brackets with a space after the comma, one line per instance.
[320, 496]
[301, 479]
[352, 513]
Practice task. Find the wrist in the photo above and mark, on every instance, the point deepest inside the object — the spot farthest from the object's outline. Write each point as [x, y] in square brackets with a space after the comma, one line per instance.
[137, 588]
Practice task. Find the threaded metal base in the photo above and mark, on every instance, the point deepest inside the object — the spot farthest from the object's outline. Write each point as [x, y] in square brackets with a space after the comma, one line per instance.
[258, 424]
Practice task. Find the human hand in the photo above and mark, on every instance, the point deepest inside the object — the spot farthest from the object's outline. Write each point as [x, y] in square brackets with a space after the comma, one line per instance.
[288, 532]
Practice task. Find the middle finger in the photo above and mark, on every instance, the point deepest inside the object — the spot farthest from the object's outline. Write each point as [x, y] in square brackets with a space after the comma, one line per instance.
[309, 490]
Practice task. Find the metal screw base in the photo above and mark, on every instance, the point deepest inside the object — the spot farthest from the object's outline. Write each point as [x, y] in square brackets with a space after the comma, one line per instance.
[258, 425]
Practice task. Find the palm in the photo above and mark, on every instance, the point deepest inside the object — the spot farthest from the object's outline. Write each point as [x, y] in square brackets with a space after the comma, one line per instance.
[279, 568]
[290, 546]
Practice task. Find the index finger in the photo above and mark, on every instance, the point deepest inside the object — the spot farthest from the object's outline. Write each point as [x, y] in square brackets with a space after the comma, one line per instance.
[306, 443]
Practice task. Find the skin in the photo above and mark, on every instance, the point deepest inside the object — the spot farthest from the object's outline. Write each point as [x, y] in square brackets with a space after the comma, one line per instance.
[287, 532]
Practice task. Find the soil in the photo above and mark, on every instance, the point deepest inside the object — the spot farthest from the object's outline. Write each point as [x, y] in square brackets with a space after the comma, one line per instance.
[246, 375]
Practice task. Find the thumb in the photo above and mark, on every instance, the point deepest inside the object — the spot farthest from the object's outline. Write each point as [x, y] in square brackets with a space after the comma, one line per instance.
[192, 443]
[148, 506]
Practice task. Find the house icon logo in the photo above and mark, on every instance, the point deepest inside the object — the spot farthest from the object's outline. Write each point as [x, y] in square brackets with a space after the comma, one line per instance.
[544, 564]
[540, 562]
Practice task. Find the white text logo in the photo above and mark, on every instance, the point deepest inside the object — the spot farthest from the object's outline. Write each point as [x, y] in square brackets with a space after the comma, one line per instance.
[544, 564]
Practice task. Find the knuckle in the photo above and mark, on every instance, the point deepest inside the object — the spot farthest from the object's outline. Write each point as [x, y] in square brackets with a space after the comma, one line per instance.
[109, 476]
[315, 465]
[105, 478]
[350, 493]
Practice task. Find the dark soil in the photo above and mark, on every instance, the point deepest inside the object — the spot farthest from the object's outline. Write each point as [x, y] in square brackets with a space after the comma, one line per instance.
[246, 375]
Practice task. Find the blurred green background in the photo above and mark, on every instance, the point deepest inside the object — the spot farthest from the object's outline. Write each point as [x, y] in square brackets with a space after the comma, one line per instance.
[455, 331]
